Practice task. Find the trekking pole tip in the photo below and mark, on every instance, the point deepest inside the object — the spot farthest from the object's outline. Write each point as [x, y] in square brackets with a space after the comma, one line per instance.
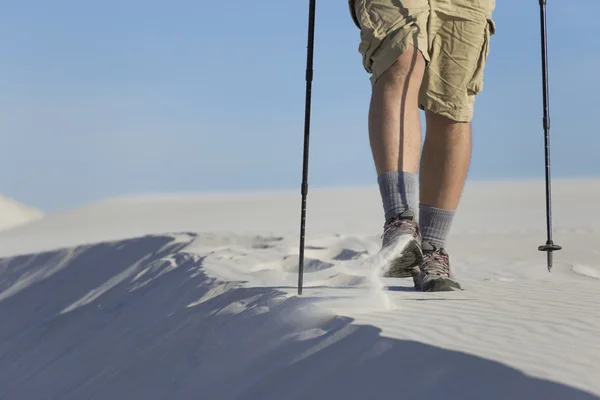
[549, 247]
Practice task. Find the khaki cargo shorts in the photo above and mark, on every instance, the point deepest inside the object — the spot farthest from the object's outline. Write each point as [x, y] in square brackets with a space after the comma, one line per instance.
[453, 36]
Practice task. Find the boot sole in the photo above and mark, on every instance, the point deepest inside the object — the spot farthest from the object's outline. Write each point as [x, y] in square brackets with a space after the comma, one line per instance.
[440, 285]
[404, 266]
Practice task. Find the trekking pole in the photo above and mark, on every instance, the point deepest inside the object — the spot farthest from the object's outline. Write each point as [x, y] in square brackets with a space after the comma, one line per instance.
[549, 247]
[309, 76]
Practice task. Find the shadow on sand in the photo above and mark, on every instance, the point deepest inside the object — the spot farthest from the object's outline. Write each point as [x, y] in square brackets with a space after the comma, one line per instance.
[139, 319]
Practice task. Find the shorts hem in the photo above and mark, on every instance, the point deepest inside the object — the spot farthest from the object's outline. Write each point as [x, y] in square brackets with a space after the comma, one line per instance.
[442, 109]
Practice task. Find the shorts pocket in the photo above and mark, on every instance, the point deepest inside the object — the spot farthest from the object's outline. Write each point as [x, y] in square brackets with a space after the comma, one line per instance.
[476, 84]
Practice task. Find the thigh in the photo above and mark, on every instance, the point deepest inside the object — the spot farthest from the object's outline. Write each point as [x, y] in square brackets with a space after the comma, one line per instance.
[387, 28]
[458, 48]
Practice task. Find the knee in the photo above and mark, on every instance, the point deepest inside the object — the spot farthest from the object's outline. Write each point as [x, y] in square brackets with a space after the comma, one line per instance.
[442, 119]
[409, 67]
[441, 126]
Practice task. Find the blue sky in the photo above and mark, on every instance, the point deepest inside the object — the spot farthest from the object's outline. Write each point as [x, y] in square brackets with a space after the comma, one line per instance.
[108, 98]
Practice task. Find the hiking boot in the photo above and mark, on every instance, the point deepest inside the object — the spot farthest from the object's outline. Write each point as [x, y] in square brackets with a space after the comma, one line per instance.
[434, 273]
[401, 228]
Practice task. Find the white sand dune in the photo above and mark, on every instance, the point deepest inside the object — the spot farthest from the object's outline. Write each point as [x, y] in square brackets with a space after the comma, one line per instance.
[181, 297]
[13, 214]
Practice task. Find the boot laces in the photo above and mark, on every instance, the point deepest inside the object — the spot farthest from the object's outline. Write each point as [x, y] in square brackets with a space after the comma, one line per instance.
[436, 263]
[405, 224]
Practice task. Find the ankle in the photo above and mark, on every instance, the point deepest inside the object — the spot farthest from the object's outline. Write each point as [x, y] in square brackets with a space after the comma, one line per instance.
[435, 224]
[398, 191]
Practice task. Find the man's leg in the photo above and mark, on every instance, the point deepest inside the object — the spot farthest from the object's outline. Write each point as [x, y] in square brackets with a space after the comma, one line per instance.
[394, 47]
[395, 132]
[444, 167]
[395, 138]
[453, 78]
